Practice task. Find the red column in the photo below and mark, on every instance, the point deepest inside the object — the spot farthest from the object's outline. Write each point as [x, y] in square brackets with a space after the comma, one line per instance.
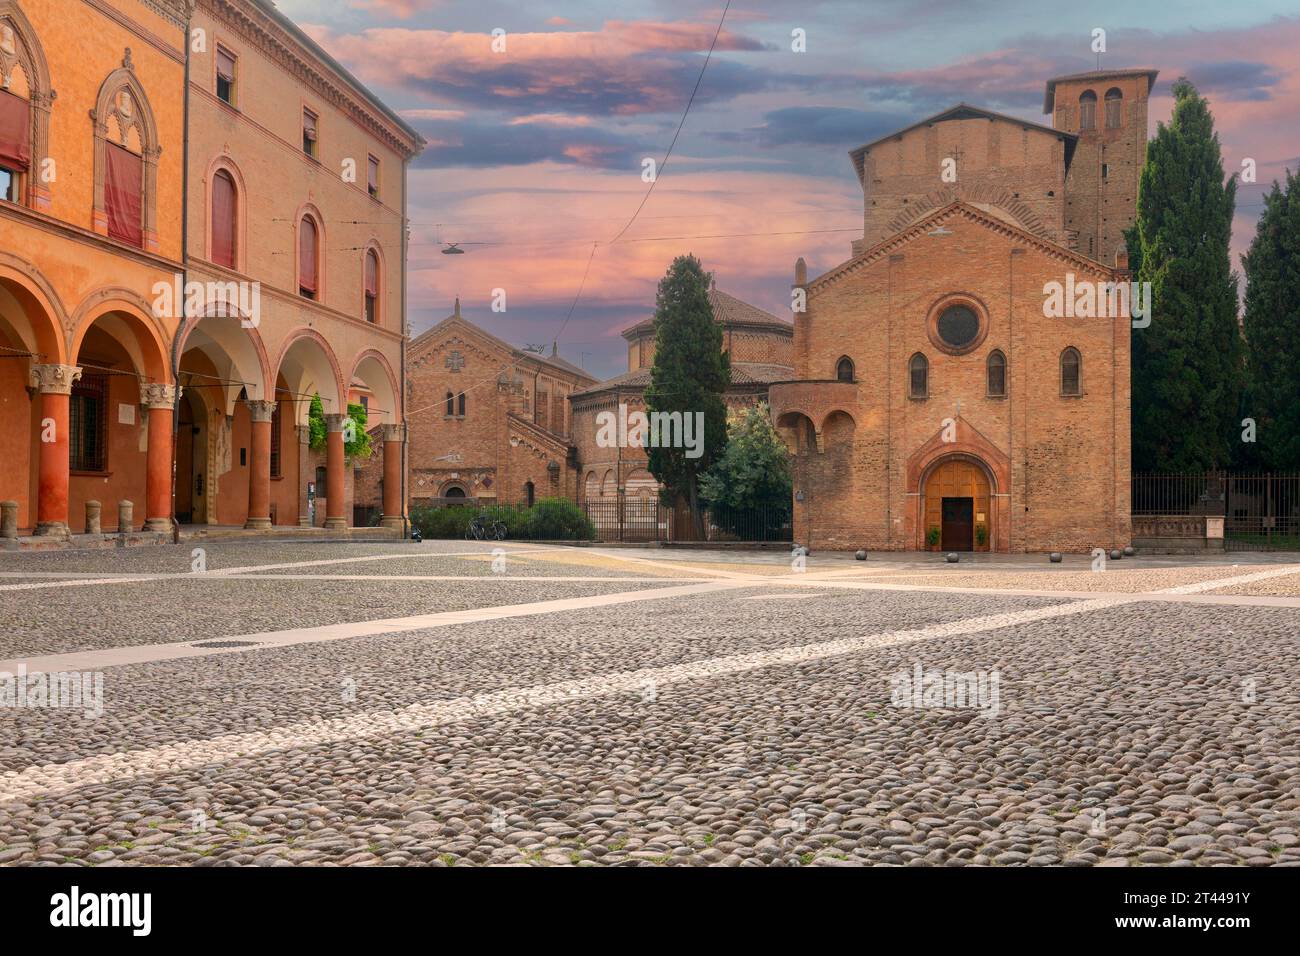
[334, 472]
[259, 464]
[393, 510]
[54, 384]
[160, 401]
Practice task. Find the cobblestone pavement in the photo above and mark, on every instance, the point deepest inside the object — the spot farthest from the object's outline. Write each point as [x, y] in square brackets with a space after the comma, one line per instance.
[438, 704]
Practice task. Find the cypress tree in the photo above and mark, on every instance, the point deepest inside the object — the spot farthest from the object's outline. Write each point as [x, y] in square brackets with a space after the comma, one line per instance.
[690, 374]
[1272, 325]
[1187, 365]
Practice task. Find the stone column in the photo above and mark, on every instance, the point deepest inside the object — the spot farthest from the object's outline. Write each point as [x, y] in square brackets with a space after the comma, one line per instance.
[334, 477]
[393, 506]
[259, 464]
[54, 384]
[160, 401]
[304, 474]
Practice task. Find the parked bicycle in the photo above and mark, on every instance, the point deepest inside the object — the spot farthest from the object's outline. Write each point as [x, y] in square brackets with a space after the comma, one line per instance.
[484, 527]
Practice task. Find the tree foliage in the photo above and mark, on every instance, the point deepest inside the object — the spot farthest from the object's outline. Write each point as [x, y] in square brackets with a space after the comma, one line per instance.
[358, 447]
[1272, 326]
[1187, 365]
[690, 375]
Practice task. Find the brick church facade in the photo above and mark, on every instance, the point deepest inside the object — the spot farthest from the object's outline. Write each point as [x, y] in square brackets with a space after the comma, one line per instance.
[487, 421]
[934, 405]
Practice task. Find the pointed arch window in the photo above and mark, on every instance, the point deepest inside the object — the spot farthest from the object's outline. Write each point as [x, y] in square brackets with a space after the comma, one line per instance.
[126, 161]
[25, 100]
[844, 369]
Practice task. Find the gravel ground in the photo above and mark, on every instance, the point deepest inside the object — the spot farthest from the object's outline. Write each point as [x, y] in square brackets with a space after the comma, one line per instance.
[1140, 733]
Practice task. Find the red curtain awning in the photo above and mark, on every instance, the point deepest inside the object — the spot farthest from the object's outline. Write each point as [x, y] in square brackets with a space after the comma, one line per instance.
[307, 255]
[223, 220]
[15, 132]
[123, 189]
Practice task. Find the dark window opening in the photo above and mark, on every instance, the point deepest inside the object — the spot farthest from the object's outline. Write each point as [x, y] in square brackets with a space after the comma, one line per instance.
[958, 326]
[1071, 380]
[844, 370]
[919, 382]
[88, 423]
[997, 374]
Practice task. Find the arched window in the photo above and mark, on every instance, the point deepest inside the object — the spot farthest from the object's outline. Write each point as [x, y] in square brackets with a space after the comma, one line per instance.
[1071, 372]
[308, 258]
[530, 492]
[1088, 110]
[451, 404]
[460, 404]
[223, 219]
[372, 286]
[454, 491]
[844, 369]
[126, 161]
[25, 100]
[997, 369]
[918, 376]
[1114, 108]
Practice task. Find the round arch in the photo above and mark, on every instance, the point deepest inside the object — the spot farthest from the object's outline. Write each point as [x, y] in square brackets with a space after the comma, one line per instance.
[372, 368]
[25, 294]
[308, 210]
[128, 318]
[233, 349]
[308, 366]
[960, 475]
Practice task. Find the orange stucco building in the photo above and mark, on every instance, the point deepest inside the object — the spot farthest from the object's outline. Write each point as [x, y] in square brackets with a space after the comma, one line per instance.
[165, 323]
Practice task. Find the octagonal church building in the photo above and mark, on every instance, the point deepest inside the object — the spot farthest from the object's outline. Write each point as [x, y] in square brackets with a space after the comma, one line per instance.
[948, 394]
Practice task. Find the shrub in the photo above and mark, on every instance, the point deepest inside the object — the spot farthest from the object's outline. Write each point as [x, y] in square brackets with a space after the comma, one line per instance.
[555, 519]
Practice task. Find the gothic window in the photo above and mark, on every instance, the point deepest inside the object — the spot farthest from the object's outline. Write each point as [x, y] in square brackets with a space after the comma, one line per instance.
[25, 100]
[844, 370]
[126, 160]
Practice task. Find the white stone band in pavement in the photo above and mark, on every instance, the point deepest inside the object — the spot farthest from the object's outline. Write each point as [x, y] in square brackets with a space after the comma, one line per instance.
[94, 660]
[52, 779]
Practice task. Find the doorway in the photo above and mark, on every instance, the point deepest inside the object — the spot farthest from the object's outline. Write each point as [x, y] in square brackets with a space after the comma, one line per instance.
[958, 532]
[191, 461]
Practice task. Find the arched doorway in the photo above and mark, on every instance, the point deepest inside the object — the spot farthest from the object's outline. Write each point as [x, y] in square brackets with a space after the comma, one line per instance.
[958, 502]
[192, 459]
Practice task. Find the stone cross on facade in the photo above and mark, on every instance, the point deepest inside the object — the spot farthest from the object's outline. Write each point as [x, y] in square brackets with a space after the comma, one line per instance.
[455, 361]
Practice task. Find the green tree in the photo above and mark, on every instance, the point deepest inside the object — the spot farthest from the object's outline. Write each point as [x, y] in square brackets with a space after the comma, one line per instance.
[358, 447]
[1272, 326]
[690, 376]
[749, 487]
[1187, 365]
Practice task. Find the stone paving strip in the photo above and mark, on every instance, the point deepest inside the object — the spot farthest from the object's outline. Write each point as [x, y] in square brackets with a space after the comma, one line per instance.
[1112, 580]
[92, 660]
[32, 782]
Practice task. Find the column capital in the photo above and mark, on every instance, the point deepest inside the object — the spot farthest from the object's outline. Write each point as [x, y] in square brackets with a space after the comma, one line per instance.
[157, 395]
[260, 410]
[54, 379]
[389, 433]
[335, 423]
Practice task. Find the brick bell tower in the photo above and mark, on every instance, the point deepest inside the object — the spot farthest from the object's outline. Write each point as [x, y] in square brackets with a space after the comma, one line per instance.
[1107, 110]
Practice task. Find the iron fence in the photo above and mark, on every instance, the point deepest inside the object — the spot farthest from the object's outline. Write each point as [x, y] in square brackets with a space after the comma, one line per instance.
[647, 519]
[1259, 511]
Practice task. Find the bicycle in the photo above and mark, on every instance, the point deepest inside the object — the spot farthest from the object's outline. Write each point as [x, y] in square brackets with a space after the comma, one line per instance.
[482, 527]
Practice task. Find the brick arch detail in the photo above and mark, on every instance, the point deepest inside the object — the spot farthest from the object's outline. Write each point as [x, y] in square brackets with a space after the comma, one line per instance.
[976, 193]
[970, 446]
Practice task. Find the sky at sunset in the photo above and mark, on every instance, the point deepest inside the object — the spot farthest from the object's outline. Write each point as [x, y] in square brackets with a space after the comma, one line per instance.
[536, 153]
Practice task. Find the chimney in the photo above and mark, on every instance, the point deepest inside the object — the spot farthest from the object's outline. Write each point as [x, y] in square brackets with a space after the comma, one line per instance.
[800, 272]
